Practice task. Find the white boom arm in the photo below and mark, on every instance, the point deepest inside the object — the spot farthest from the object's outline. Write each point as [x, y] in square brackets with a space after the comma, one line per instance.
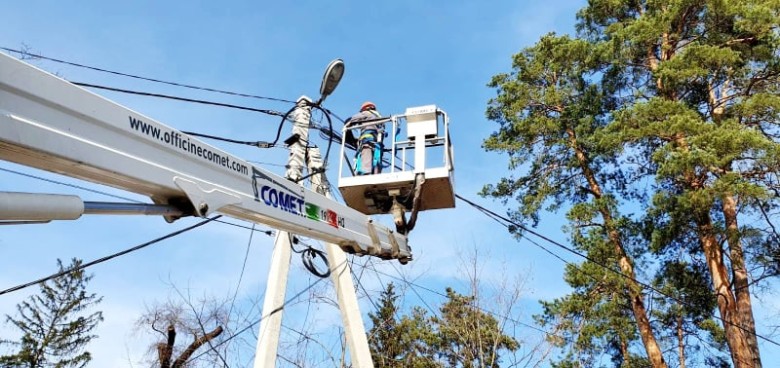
[51, 124]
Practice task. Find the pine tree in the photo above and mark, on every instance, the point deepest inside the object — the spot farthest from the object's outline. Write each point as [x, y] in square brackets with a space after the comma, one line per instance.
[685, 322]
[397, 340]
[667, 110]
[54, 324]
[468, 336]
[462, 336]
[552, 115]
[384, 337]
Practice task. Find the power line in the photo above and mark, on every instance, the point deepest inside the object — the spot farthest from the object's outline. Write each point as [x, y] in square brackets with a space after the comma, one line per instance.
[360, 285]
[39, 56]
[288, 360]
[508, 318]
[243, 267]
[109, 257]
[253, 229]
[376, 307]
[605, 267]
[268, 163]
[409, 283]
[495, 218]
[177, 98]
[551, 241]
[329, 134]
[258, 144]
[251, 325]
[69, 185]
[334, 114]
[328, 113]
[309, 338]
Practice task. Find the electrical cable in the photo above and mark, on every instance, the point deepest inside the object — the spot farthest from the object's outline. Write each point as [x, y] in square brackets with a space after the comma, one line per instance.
[306, 142]
[291, 299]
[177, 98]
[328, 113]
[334, 114]
[360, 285]
[308, 255]
[358, 277]
[109, 257]
[409, 283]
[266, 232]
[251, 325]
[364, 267]
[330, 141]
[243, 267]
[69, 185]
[412, 285]
[607, 268]
[288, 360]
[281, 125]
[309, 338]
[592, 277]
[38, 56]
[266, 163]
[308, 307]
[500, 222]
[328, 148]
[258, 144]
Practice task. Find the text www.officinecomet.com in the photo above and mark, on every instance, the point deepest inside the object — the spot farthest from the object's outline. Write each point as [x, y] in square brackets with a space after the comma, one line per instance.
[177, 140]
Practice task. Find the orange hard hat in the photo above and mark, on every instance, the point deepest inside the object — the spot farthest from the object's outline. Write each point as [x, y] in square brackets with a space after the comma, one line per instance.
[368, 105]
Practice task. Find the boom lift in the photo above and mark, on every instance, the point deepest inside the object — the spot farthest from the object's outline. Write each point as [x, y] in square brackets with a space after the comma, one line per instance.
[51, 124]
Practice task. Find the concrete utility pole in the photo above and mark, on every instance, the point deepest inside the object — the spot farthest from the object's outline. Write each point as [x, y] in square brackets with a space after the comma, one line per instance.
[271, 323]
[270, 326]
[341, 275]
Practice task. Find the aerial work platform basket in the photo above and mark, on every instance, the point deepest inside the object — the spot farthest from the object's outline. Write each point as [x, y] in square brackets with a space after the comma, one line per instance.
[417, 161]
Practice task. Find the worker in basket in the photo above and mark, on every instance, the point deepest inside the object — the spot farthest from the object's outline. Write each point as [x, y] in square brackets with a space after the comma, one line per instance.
[368, 155]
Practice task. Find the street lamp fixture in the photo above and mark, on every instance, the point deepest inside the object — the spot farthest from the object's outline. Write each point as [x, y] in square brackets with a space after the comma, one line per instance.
[331, 79]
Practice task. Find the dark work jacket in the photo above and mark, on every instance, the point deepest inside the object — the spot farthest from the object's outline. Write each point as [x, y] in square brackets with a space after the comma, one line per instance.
[370, 133]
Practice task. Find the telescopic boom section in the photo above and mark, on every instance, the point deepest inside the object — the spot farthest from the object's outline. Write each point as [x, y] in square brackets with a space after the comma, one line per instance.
[51, 124]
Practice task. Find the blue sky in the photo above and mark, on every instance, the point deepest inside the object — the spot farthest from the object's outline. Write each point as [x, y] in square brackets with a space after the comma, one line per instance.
[397, 53]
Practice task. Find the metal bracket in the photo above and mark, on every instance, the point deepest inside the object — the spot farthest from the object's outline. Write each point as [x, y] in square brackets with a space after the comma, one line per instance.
[205, 201]
[395, 251]
[374, 249]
